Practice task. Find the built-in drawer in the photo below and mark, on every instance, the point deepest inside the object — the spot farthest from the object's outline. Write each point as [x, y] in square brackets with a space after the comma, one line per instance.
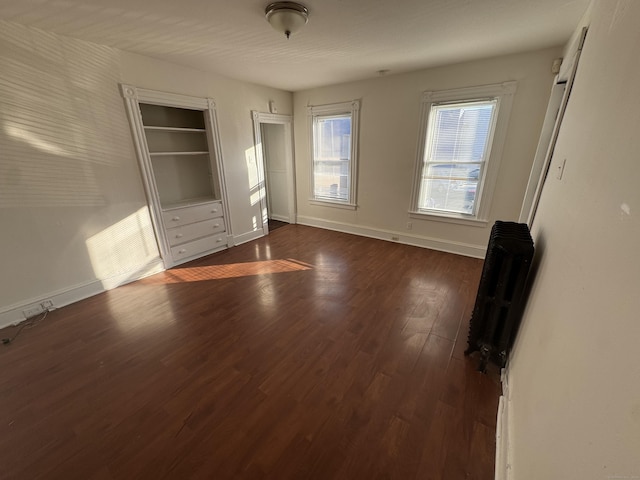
[189, 232]
[195, 213]
[197, 247]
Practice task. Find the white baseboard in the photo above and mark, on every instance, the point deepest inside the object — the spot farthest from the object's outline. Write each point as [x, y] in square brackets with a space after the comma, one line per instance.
[468, 250]
[503, 470]
[12, 315]
[247, 237]
[280, 218]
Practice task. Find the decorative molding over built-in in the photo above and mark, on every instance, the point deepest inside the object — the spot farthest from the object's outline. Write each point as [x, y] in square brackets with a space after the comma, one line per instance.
[129, 91]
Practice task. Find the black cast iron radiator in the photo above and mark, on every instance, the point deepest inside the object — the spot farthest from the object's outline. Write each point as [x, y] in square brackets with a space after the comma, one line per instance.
[499, 303]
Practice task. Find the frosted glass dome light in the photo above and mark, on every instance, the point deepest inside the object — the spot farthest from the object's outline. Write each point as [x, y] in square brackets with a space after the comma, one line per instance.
[287, 17]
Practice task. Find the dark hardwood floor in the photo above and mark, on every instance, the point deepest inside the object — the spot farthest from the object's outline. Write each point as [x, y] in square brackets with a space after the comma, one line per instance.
[308, 354]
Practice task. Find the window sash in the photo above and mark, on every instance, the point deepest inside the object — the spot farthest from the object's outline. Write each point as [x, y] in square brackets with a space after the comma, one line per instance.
[332, 157]
[455, 155]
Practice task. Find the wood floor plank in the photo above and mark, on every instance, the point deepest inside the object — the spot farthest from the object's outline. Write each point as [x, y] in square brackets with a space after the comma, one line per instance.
[305, 354]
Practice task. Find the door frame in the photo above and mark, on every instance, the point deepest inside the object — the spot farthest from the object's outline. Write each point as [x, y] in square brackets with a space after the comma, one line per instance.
[542, 158]
[551, 129]
[260, 118]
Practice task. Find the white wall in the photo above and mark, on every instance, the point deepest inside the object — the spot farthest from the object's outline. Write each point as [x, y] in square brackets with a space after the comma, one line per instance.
[575, 376]
[389, 121]
[72, 206]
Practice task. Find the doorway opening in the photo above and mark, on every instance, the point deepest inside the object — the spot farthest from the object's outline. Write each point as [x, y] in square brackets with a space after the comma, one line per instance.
[274, 148]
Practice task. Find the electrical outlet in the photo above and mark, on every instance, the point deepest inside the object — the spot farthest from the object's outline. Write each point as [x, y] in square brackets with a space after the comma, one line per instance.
[47, 304]
[409, 225]
[33, 310]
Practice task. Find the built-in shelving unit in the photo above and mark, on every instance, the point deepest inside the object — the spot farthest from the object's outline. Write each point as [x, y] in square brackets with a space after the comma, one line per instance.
[178, 147]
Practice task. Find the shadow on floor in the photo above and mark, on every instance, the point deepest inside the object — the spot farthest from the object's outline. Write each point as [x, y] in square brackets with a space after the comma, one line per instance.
[275, 224]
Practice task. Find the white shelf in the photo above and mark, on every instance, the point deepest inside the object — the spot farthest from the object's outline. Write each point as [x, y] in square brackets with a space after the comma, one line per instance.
[167, 154]
[175, 129]
[189, 202]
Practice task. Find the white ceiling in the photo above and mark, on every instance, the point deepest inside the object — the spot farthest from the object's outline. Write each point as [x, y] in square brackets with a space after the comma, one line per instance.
[344, 39]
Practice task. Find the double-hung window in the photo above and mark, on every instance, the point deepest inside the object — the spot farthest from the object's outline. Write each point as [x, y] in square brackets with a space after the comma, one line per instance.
[334, 141]
[459, 151]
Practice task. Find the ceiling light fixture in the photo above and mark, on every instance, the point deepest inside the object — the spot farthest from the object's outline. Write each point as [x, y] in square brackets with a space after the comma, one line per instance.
[287, 17]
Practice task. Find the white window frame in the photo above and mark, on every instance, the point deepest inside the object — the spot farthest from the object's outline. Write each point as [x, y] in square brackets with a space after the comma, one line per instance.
[352, 109]
[503, 94]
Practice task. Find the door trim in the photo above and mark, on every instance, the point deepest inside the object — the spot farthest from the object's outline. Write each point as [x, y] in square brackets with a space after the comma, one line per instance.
[260, 118]
[533, 207]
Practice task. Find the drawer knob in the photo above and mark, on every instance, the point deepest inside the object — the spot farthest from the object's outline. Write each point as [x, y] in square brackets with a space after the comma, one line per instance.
[215, 210]
[182, 251]
[216, 225]
[176, 219]
[179, 235]
[219, 240]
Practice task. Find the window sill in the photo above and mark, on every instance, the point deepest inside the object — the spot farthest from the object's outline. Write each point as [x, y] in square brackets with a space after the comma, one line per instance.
[329, 203]
[451, 218]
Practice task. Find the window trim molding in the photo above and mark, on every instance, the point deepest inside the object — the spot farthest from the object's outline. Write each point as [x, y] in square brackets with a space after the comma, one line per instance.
[504, 93]
[352, 108]
[457, 218]
[331, 203]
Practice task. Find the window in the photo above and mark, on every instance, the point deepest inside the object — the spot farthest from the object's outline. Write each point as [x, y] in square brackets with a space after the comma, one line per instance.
[334, 134]
[459, 151]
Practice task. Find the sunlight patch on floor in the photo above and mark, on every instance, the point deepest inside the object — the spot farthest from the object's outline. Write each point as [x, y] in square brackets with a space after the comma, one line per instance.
[233, 270]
